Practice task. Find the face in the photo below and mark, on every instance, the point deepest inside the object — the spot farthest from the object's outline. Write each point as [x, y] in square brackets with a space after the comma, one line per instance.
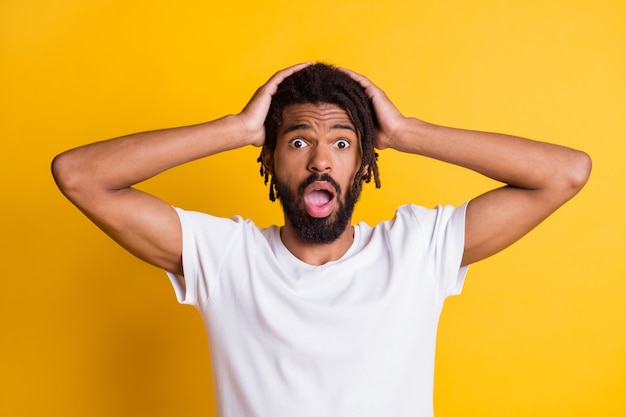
[317, 157]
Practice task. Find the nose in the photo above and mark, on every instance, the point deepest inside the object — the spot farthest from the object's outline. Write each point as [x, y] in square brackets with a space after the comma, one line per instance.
[320, 160]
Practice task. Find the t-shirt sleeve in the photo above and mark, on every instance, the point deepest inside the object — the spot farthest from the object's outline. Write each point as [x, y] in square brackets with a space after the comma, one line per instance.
[443, 231]
[206, 241]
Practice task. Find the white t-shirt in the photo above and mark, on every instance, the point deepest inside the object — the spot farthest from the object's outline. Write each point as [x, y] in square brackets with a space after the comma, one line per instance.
[353, 337]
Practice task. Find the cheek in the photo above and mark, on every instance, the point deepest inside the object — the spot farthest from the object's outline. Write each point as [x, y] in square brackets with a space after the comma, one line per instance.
[285, 173]
[358, 160]
[289, 163]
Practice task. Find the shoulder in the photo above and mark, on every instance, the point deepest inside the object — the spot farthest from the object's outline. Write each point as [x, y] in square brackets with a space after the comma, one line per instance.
[419, 216]
[220, 230]
[425, 214]
[201, 218]
[412, 221]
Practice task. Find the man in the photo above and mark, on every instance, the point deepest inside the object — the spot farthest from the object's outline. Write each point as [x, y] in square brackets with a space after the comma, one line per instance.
[320, 317]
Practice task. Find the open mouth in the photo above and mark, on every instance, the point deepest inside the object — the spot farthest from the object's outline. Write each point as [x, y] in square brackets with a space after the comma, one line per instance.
[318, 199]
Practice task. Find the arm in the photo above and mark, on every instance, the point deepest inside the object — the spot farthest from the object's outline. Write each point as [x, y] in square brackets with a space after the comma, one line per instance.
[99, 178]
[540, 177]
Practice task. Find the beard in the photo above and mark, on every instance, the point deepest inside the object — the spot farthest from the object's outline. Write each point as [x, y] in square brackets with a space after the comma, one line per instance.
[312, 229]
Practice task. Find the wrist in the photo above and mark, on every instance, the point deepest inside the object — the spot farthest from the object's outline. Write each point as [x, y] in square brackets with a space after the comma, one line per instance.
[243, 133]
[402, 135]
[410, 135]
[248, 131]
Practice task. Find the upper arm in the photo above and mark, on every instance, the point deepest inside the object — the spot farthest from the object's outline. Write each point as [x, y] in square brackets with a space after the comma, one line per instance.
[143, 224]
[500, 217]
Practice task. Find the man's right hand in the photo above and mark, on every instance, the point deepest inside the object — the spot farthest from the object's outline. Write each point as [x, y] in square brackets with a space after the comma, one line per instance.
[252, 117]
[99, 178]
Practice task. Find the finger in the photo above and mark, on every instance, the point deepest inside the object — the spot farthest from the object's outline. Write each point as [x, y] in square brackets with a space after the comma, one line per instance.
[256, 109]
[280, 76]
[263, 94]
[372, 90]
[294, 68]
[361, 79]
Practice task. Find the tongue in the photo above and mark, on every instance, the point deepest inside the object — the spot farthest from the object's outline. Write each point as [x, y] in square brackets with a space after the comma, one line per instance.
[317, 203]
[319, 197]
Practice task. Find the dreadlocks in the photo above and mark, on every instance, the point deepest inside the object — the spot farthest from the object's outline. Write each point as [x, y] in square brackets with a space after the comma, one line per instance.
[325, 84]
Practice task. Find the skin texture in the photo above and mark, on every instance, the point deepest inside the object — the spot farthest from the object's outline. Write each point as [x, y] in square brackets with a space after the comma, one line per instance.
[99, 178]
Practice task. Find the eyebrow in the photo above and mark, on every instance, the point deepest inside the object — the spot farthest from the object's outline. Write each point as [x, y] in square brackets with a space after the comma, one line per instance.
[304, 126]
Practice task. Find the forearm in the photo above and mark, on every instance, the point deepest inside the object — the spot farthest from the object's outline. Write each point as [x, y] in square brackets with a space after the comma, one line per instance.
[119, 163]
[516, 161]
[540, 176]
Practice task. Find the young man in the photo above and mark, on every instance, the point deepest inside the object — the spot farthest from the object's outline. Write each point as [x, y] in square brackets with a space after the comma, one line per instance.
[320, 317]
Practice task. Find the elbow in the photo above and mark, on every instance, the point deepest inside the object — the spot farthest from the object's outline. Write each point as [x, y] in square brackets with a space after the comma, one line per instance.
[571, 176]
[579, 170]
[58, 168]
[65, 173]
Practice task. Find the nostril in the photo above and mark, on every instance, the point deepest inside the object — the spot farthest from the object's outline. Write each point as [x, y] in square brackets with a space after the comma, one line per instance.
[319, 164]
[318, 168]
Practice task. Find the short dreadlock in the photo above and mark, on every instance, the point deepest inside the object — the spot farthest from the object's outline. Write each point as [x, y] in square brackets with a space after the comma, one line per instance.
[325, 84]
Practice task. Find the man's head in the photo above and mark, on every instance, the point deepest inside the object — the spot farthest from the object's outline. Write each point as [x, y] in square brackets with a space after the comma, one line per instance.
[324, 84]
[319, 148]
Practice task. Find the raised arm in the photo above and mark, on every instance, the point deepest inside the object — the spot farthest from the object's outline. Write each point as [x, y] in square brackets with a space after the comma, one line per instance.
[539, 176]
[99, 178]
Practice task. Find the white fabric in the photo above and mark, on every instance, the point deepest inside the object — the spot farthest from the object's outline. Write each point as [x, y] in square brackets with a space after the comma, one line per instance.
[353, 337]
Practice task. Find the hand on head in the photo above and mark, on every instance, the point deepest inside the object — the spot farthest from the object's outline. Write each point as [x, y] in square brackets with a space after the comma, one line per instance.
[388, 116]
[253, 115]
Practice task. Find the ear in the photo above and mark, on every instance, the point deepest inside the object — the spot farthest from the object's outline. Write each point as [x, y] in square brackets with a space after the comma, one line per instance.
[267, 157]
[364, 171]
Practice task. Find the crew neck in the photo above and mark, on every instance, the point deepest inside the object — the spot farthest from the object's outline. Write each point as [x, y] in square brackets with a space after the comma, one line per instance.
[285, 257]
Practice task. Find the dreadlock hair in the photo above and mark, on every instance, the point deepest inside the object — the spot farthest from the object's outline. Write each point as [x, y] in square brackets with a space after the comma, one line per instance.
[325, 84]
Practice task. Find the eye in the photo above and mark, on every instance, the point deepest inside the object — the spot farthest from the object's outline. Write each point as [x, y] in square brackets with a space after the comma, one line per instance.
[298, 143]
[342, 144]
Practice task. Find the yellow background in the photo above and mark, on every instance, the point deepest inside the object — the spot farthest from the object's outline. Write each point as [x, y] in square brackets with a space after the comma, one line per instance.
[87, 330]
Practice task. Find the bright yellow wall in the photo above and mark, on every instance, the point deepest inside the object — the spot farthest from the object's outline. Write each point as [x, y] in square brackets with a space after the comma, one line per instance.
[87, 330]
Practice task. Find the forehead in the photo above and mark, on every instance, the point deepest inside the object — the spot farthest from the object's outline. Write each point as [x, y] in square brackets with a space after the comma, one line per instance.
[315, 115]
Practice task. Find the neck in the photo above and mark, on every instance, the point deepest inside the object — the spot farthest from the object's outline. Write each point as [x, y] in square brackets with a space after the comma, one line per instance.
[317, 253]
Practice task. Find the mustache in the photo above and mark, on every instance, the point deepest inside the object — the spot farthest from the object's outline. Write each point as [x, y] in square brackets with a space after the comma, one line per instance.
[319, 177]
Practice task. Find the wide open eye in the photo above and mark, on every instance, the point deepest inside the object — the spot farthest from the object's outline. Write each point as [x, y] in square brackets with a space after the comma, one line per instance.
[342, 144]
[298, 143]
